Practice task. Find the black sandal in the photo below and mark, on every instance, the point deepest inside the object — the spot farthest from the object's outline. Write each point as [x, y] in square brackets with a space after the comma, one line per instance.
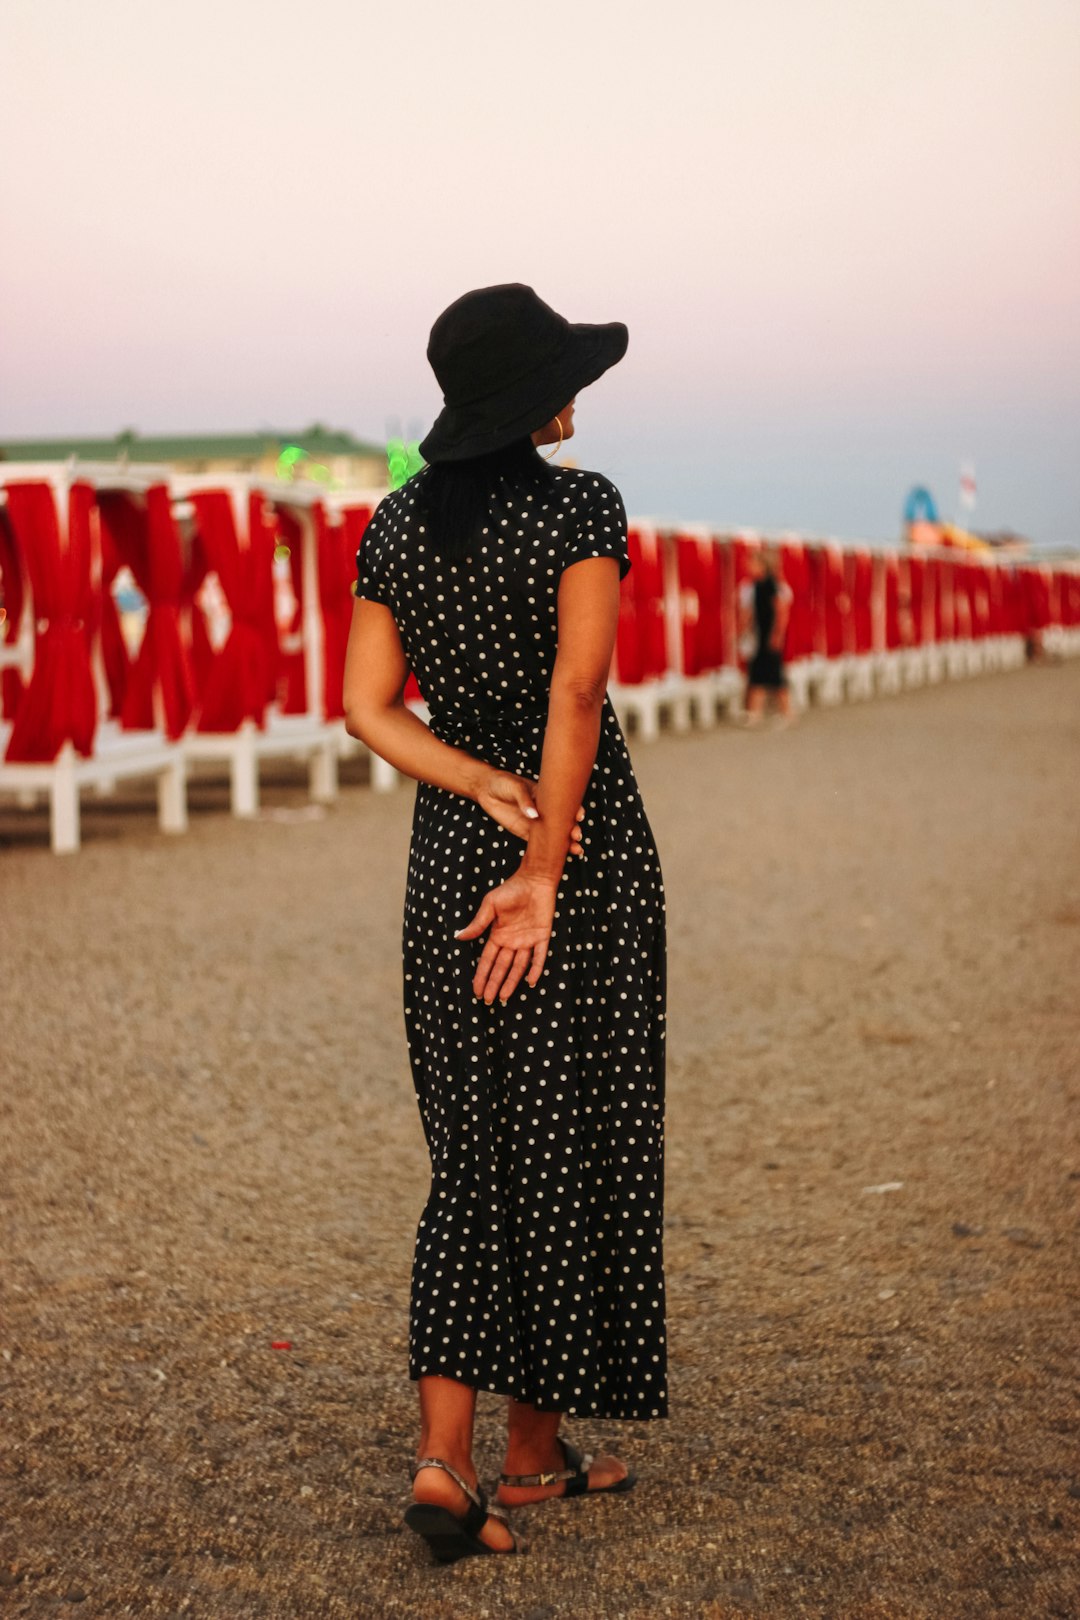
[576, 1475]
[449, 1536]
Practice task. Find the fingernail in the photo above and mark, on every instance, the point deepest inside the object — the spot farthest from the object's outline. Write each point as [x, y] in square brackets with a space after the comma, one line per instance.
[533, 815]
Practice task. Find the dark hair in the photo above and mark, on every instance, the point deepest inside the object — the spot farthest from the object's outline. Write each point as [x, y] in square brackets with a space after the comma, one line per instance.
[458, 496]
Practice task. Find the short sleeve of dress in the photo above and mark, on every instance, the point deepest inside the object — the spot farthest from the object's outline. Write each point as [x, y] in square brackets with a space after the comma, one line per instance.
[598, 528]
[371, 581]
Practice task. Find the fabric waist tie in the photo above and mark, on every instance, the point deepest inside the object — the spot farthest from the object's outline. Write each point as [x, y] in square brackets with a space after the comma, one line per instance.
[507, 725]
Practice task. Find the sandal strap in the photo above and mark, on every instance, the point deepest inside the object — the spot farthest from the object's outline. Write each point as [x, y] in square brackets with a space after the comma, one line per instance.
[577, 1467]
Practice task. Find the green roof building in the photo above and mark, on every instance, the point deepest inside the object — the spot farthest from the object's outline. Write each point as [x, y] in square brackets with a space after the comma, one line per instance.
[325, 454]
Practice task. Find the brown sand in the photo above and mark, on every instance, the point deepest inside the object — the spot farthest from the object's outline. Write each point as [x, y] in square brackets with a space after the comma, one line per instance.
[209, 1144]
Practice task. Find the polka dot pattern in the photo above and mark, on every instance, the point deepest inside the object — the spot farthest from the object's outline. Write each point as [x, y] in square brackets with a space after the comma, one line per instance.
[538, 1269]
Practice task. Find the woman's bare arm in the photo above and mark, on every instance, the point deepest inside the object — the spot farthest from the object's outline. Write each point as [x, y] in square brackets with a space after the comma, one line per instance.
[376, 671]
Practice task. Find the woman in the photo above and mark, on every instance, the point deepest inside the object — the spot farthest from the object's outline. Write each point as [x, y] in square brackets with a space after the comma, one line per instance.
[764, 610]
[534, 983]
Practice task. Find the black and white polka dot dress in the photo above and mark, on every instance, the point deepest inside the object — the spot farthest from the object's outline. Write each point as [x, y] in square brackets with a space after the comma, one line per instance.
[538, 1270]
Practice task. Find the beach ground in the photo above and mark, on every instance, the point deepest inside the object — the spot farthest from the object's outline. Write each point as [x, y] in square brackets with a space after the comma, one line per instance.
[210, 1148]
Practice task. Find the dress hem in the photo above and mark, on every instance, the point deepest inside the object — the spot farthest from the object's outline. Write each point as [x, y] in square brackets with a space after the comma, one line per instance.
[607, 1412]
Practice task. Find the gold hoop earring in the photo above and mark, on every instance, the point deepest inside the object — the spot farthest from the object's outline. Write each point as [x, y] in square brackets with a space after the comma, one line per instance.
[558, 447]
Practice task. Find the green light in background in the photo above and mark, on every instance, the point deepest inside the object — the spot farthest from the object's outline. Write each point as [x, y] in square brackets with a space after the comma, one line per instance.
[397, 461]
[403, 460]
[288, 461]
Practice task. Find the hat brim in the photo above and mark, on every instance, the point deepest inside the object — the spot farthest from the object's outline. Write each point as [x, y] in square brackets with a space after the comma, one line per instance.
[460, 432]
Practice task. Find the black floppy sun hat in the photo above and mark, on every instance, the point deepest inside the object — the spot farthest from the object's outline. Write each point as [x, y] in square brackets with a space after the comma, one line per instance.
[506, 362]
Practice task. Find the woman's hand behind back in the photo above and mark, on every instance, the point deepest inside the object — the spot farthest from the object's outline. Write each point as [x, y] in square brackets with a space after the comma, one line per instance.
[519, 914]
[511, 801]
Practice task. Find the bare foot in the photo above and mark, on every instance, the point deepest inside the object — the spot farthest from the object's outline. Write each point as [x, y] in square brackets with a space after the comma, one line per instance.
[434, 1486]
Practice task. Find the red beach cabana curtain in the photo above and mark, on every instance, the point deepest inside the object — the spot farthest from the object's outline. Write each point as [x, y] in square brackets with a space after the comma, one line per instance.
[1014, 603]
[905, 613]
[729, 607]
[60, 703]
[647, 577]
[14, 594]
[980, 600]
[263, 521]
[338, 544]
[1036, 602]
[859, 571]
[891, 567]
[817, 580]
[145, 538]
[995, 584]
[629, 660]
[197, 638]
[711, 595]
[795, 568]
[918, 585]
[240, 680]
[291, 672]
[838, 621]
[962, 601]
[114, 653]
[686, 560]
[945, 598]
[699, 563]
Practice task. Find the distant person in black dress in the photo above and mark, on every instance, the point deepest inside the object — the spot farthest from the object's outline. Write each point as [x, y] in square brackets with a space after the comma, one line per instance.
[764, 610]
[534, 983]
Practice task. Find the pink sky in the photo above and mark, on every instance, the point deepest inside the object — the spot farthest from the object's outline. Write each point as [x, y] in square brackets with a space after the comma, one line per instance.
[845, 236]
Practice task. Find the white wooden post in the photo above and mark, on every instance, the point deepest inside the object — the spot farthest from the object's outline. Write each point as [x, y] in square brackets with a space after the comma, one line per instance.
[323, 772]
[244, 772]
[172, 796]
[383, 776]
[648, 714]
[64, 803]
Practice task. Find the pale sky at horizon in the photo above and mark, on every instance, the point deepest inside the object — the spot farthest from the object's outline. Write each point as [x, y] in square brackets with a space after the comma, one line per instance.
[845, 236]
